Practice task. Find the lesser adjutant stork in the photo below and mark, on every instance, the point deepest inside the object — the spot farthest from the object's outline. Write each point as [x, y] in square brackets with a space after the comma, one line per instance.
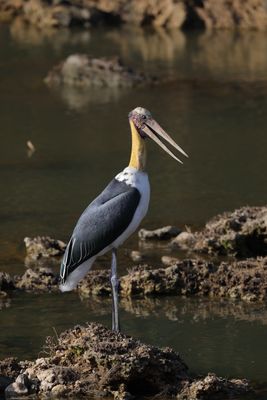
[117, 212]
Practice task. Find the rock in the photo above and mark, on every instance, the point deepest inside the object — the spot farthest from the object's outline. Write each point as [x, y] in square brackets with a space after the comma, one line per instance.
[37, 280]
[242, 233]
[9, 9]
[18, 388]
[43, 13]
[165, 233]
[79, 70]
[243, 280]
[44, 246]
[9, 370]
[137, 256]
[168, 261]
[96, 282]
[210, 387]
[184, 240]
[219, 14]
[94, 361]
[6, 282]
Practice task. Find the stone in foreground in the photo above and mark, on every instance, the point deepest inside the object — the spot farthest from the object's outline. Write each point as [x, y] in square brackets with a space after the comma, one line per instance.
[94, 361]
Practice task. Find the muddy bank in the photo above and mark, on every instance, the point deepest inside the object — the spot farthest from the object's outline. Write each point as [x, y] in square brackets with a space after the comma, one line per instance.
[81, 71]
[188, 14]
[93, 360]
[244, 280]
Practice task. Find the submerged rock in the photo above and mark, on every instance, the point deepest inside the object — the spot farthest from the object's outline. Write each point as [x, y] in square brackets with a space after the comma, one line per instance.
[44, 246]
[165, 233]
[94, 361]
[37, 280]
[79, 70]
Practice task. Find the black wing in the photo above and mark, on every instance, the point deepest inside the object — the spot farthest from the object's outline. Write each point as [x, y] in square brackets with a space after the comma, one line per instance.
[102, 222]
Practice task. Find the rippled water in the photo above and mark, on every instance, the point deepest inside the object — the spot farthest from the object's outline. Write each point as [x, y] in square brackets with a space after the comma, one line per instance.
[212, 100]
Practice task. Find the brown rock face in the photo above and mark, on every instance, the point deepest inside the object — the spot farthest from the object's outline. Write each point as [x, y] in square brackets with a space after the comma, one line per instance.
[221, 14]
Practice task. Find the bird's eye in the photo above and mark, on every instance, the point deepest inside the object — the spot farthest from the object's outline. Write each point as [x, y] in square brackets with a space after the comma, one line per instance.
[143, 117]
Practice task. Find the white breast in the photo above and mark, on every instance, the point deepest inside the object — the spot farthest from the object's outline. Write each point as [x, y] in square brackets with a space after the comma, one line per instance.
[139, 180]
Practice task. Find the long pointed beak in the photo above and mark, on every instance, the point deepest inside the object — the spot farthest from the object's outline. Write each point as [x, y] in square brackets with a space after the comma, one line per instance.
[155, 132]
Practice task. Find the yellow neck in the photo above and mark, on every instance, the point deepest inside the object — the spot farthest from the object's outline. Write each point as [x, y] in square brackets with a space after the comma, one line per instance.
[138, 153]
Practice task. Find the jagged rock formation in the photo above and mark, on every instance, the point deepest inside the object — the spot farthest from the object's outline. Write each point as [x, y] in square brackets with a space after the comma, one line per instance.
[93, 360]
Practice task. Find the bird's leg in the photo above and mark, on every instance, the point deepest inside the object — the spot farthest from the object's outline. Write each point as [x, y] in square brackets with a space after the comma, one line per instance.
[114, 288]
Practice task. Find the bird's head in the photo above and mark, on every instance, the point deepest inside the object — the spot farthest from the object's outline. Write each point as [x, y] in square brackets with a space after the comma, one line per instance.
[146, 126]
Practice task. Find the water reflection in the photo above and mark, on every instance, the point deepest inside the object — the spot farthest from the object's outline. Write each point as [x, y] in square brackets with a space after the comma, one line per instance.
[225, 55]
[158, 44]
[30, 35]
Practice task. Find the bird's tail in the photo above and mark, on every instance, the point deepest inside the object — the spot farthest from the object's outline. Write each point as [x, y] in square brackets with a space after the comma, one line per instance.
[76, 276]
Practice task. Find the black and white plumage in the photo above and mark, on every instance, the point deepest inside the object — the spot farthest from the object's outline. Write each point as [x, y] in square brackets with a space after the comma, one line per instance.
[117, 212]
[107, 222]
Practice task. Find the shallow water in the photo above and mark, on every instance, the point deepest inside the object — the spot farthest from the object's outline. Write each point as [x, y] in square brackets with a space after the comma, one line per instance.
[213, 101]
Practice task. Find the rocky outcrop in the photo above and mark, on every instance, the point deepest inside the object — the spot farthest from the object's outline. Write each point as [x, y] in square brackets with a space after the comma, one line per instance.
[165, 233]
[242, 233]
[94, 361]
[221, 14]
[45, 13]
[209, 14]
[43, 246]
[39, 279]
[244, 280]
[81, 71]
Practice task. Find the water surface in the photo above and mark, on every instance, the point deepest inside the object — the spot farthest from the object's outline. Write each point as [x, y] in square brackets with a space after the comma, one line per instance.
[212, 100]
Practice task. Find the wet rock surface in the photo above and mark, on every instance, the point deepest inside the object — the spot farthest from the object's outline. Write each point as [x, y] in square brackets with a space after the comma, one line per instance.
[79, 70]
[244, 280]
[93, 360]
[242, 233]
[43, 246]
[37, 280]
[165, 233]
